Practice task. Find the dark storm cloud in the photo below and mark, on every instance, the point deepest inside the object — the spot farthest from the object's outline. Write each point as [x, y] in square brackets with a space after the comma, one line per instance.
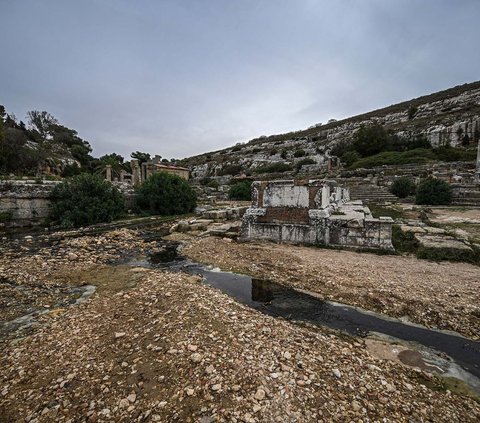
[183, 77]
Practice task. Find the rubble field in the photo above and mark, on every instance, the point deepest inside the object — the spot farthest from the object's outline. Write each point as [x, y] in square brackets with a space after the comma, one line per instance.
[152, 345]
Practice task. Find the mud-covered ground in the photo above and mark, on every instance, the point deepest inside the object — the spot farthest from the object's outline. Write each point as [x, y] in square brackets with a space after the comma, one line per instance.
[440, 295]
[151, 345]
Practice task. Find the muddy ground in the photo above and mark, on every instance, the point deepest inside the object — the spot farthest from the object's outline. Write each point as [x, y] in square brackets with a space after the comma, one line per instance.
[152, 345]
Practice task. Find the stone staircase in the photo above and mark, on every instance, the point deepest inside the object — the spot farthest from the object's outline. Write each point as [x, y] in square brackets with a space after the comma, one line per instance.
[466, 195]
[372, 193]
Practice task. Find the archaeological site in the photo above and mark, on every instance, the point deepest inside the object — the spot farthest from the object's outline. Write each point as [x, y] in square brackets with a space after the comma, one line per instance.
[325, 274]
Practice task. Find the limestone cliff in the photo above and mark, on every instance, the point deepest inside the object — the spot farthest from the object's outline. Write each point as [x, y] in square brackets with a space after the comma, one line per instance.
[447, 117]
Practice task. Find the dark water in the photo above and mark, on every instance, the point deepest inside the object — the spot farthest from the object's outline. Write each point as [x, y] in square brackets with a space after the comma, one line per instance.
[279, 301]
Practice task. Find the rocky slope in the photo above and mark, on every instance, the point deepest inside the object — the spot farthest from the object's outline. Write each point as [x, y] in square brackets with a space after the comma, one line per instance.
[446, 117]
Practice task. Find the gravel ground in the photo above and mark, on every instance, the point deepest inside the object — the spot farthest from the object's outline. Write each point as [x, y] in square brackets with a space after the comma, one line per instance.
[152, 345]
[439, 295]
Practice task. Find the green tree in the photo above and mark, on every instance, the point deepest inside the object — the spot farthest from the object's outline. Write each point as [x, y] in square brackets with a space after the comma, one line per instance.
[85, 200]
[403, 187]
[115, 161]
[370, 140]
[349, 157]
[166, 194]
[241, 191]
[433, 192]
[41, 122]
[141, 157]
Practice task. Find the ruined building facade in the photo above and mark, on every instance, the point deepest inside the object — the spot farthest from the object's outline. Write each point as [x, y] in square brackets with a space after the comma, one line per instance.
[313, 212]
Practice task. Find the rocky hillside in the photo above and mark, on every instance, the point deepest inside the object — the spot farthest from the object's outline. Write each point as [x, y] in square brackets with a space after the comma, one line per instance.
[446, 118]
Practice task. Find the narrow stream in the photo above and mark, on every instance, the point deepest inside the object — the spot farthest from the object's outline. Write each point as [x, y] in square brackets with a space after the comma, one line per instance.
[463, 361]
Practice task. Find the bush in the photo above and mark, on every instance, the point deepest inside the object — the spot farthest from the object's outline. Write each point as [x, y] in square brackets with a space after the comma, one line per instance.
[370, 140]
[299, 153]
[451, 154]
[303, 162]
[284, 154]
[412, 110]
[232, 169]
[213, 184]
[433, 191]
[350, 157]
[403, 187]
[5, 216]
[241, 191]
[277, 167]
[166, 194]
[85, 200]
[418, 156]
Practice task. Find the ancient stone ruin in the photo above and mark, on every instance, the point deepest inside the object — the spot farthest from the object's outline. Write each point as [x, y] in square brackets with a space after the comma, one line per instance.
[315, 212]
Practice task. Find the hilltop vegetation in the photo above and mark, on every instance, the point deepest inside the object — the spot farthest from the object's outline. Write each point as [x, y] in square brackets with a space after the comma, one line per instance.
[43, 145]
[443, 126]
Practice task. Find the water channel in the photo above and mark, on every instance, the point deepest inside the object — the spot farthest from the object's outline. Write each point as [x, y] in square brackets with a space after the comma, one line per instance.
[450, 354]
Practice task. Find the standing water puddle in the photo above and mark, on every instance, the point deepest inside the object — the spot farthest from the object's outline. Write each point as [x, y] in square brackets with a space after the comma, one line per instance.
[280, 301]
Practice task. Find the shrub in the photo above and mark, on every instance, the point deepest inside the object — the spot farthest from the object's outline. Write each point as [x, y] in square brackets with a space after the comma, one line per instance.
[237, 147]
[85, 200]
[299, 153]
[403, 242]
[350, 157]
[5, 216]
[213, 184]
[274, 167]
[303, 162]
[370, 140]
[166, 194]
[273, 151]
[403, 187]
[284, 154]
[418, 156]
[241, 191]
[451, 154]
[412, 110]
[232, 169]
[433, 191]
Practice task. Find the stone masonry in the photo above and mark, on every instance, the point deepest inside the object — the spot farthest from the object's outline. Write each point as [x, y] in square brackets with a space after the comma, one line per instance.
[313, 212]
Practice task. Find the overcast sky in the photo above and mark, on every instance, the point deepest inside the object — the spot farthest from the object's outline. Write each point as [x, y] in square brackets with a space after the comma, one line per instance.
[178, 77]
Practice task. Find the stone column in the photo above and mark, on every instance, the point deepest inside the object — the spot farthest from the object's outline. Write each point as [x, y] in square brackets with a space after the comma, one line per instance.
[108, 169]
[136, 177]
[325, 196]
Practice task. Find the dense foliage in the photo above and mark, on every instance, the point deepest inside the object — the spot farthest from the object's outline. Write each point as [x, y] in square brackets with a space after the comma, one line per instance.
[241, 191]
[433, 192]
[85, 200]
[276, 167]
[403, 187]
[44, 142]
[166, 194]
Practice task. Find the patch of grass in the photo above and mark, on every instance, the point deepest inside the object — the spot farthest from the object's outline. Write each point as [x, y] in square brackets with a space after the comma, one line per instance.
[379, 210]
[274, 168]
[6, 216]
[417, 156]
[449, 254]
[403, 242]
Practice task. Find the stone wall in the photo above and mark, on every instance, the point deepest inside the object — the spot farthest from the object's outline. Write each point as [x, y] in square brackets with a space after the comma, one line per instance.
[24, 203]
[313, 212]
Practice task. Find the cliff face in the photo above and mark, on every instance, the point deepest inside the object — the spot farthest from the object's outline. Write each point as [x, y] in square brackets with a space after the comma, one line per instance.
[446, 117]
